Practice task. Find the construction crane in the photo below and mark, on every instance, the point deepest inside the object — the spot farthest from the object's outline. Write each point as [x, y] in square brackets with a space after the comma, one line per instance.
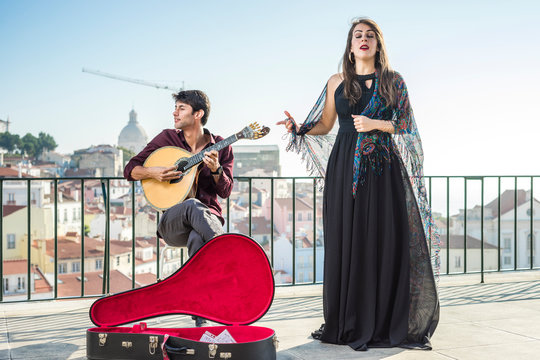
[135, 81]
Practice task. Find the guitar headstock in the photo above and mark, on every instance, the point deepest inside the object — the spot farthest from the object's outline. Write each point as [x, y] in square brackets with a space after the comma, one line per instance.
[253, 131]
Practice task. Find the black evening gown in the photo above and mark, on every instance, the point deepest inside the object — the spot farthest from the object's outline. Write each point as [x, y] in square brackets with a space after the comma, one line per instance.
[371, 253]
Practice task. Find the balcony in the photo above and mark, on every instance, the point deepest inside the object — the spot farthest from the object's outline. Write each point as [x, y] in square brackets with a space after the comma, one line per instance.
[489, 289]
[495, 320]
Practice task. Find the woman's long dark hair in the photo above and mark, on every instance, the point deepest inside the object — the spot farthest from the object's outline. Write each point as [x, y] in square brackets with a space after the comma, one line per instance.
[352, 88]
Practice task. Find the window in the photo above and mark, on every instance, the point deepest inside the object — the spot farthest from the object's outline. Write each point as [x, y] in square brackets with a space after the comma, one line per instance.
[11, 241]
[507, 245]
[74, 213]
[62, 268]
[309, 217]
[299, 216]
[99, 264]
[507, 260]
[118, 261]
[6, 285]
[129, 258]
[457, 261]
[75, 266]
[20, 283]
[529, 212]
[290, 216]
[65, 216]
[11, 197]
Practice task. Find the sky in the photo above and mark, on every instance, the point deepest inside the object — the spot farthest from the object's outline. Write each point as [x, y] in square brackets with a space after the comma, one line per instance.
[471, 68]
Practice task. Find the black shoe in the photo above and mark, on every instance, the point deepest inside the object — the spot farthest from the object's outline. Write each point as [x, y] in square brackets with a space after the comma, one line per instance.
[199, 321]
[318, 333]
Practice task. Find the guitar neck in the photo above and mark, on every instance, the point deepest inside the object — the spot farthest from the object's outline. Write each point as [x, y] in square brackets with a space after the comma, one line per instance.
[198, 158]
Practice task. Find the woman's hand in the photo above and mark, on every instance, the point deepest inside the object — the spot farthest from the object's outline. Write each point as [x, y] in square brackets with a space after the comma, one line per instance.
[364, 124]
[289, 122]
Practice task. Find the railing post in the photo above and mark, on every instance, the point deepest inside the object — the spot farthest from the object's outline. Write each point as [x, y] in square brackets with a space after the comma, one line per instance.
[228, 214]
[82, 237]
[272, 222]
[448, 225]
[499, 224]
[29, 239]
[250, 187]
[515, 222]
[55, 238]
[1, 240]
[294, 231]
[314, 230]
[106, 256]
[133, 235]
[158, 270]
[465, 227]
[482, 233]
[531, 231]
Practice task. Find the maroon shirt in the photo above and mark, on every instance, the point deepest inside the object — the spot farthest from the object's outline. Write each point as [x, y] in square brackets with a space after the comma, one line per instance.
[208, 189]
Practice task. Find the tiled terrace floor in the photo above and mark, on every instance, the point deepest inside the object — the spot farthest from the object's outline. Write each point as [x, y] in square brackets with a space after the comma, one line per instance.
[496, 320]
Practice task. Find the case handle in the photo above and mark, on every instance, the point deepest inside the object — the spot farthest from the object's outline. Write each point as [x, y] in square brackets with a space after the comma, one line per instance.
[167, 349]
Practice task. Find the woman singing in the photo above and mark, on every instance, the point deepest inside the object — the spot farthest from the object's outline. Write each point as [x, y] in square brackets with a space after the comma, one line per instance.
[379, 285]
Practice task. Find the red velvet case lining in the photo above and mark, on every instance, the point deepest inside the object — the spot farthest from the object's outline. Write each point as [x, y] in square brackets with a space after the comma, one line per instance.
[229, 280]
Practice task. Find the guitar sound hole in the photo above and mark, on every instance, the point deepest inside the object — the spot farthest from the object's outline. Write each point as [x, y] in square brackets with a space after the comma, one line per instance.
[174, 181]
[180, 167]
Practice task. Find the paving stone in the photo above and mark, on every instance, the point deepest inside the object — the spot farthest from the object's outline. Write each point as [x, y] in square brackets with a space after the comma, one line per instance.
[497, 320]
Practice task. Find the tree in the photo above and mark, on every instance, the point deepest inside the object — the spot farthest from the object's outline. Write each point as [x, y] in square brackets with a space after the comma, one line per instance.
[10, 142]
[29, 144]
[45, 142]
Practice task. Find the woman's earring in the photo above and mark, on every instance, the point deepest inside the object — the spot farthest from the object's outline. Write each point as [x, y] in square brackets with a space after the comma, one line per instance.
[350, 58]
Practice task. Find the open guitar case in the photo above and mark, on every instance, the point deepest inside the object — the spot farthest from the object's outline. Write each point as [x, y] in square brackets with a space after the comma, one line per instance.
[228, 281]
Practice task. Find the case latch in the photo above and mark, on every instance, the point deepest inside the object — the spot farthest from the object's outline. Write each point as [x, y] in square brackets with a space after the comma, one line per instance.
[225, 355]
[212, 350]
[153, 344]
[102, 339]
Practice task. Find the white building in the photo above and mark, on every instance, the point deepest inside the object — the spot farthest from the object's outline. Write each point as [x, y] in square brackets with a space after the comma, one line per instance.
[304, 260]
[511, 231]
[473, 258]
[16, 192]
[133, 137]
[105, 158]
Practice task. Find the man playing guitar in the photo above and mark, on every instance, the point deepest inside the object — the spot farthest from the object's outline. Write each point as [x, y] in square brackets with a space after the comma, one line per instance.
[198, 219]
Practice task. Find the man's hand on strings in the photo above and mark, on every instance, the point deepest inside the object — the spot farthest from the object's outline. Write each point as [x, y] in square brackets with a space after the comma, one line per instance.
[211, 160]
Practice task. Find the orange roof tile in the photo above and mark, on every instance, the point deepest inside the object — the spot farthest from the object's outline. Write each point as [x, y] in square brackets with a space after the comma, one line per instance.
[70, 284]
[10, 209]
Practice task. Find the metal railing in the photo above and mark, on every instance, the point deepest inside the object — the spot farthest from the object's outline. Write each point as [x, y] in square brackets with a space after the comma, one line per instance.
[298, 191]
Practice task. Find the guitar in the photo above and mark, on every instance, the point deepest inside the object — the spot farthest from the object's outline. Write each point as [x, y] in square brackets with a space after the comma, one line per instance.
[162, 195]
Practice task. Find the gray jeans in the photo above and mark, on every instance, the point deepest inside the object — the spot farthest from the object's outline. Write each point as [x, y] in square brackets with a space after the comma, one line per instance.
[189, 223]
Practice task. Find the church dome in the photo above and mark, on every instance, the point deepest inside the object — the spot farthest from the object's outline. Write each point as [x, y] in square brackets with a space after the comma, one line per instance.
[133, 136]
